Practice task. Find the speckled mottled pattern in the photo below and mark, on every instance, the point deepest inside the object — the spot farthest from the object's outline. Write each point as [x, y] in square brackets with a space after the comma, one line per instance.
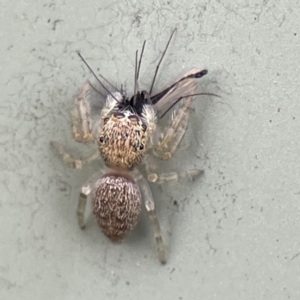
[116, 206]
[125, 144]
[233, 235]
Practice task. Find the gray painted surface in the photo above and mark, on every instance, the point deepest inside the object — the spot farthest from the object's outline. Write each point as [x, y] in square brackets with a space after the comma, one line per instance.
[235, 231]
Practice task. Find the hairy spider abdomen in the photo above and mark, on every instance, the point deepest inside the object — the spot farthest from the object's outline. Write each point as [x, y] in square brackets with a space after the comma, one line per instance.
[117, 205]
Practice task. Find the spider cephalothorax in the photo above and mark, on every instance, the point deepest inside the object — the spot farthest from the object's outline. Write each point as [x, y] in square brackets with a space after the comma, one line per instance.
[123, 140]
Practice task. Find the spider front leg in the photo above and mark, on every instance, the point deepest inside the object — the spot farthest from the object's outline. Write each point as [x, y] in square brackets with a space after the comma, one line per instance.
[81, 117]
[150, 207]
[173, 134]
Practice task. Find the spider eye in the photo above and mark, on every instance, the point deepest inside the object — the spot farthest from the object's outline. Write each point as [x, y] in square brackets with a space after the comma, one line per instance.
[105, 120]
[119, 115]
[144, 127]
[141, 146]
[101, 139]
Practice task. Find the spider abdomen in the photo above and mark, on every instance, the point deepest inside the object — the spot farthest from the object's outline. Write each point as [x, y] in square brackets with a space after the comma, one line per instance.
[116, 205]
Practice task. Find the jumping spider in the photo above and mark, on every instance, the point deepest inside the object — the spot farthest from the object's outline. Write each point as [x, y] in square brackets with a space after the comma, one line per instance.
[125, 131]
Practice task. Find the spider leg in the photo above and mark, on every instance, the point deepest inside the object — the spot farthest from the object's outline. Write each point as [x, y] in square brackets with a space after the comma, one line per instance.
[153, 176]
[69, 159]
[150, 207]
[173, 134]
[81, 117]
[86, 189]
[81, 206]
[173, 176]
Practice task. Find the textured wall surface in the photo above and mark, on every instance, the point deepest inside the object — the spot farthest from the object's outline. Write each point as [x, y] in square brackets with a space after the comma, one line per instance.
[232, 234]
